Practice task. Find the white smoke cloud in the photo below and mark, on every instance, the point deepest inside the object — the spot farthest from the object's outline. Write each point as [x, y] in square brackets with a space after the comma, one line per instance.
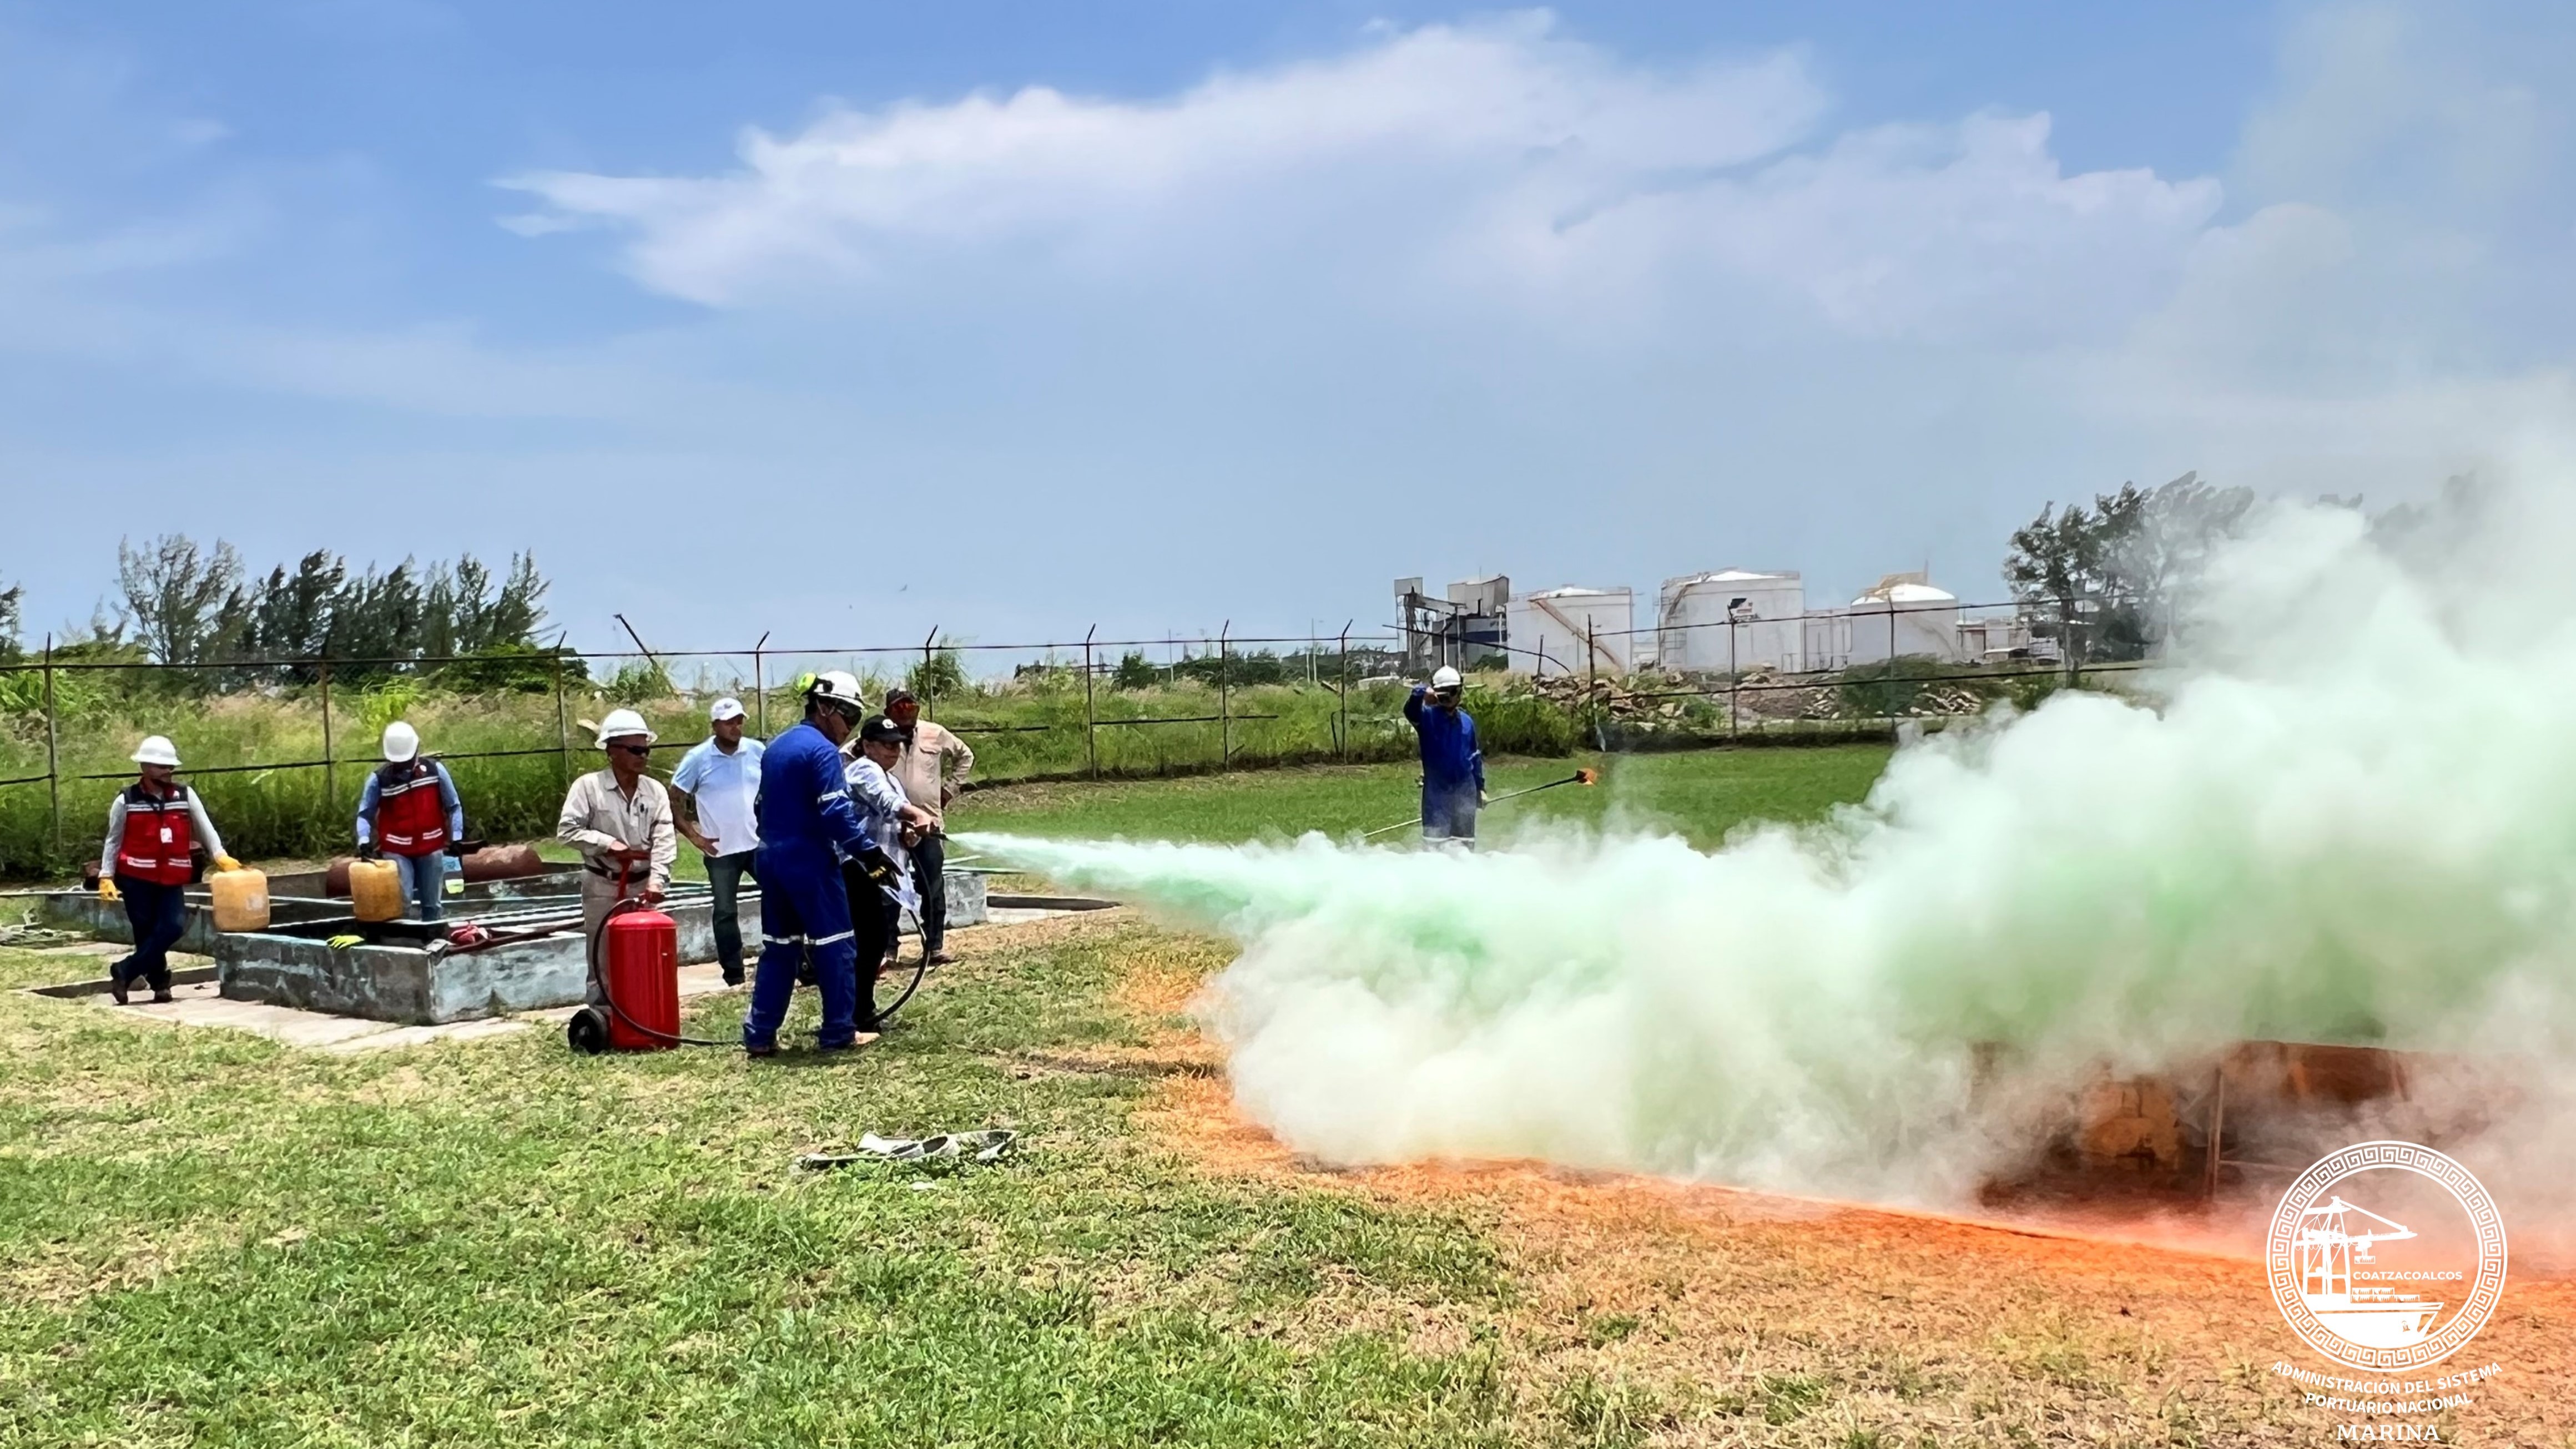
[2343, 816]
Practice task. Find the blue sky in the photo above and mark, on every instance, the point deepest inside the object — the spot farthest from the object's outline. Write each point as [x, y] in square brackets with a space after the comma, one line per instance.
[843, 320]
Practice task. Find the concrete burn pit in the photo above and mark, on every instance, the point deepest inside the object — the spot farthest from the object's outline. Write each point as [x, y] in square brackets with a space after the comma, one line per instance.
[407, 972]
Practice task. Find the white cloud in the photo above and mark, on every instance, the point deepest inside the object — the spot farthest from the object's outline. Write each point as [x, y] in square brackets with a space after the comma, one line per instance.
[1498, 156]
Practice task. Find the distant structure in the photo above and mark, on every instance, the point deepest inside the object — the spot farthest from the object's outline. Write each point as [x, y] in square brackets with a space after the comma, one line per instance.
[1733, 620]
[1725, 622]
[1470, 626]
[1903, 617]
[1577, 630]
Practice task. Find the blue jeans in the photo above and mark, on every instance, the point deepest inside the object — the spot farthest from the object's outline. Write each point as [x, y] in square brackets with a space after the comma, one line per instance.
[724, 877]
[424, 882]
[159, 915]
[803, 909]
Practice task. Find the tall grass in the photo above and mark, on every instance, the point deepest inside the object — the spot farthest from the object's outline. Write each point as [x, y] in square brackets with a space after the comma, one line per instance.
[1024, 730]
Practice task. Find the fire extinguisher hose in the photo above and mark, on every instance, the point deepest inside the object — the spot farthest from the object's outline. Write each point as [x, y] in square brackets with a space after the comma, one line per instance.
[624, 905]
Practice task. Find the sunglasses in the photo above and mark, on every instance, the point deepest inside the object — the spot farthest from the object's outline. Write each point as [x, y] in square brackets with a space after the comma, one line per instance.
[631, 749]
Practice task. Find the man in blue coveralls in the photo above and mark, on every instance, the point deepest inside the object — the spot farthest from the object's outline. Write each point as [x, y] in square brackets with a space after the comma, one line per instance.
[1453, 769]
[803, 813]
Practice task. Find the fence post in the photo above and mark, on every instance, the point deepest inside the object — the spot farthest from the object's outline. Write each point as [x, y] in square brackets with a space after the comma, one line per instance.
[760, 685]
[1224, 703]
[330, 765]
[563, 725]
[53, 757]
[1090, 713]
[1592, 685]
[2066, 642]
[1344, 729]
[927, 640]
[1734, 677]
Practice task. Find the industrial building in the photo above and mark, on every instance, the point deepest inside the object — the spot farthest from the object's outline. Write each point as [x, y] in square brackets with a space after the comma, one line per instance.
[1577, 630]
[1467, 628]
[1902, 617]
[1729, 621]
[1732, 620]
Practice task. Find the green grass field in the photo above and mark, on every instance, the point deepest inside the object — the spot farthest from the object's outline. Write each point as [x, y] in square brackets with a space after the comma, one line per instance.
[1702, 794]
[206, 1238]
[209, 1238]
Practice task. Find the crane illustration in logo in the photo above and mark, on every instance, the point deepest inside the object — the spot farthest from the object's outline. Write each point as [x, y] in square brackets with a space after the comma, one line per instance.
[2370, 1314]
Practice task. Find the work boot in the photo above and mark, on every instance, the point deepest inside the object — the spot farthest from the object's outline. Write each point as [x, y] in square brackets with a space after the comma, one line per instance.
[733, 977]
[940, 957]
[161, 995]
[116, 986]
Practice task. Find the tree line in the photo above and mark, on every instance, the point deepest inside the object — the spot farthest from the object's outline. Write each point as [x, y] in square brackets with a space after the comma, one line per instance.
[2104, 581]
[181, 604]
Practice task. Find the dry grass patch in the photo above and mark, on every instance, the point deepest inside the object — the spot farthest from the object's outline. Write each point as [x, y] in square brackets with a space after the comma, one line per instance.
[1669, 1312]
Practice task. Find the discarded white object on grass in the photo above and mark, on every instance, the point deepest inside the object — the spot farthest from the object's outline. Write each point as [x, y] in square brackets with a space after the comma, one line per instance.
[986, 1146]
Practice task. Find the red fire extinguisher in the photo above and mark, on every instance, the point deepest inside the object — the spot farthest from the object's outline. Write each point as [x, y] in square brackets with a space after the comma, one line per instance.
[637, 958]
[642, 979]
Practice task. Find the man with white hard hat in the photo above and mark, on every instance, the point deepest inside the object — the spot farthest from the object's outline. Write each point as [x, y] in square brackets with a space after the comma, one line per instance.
[806, 823]
[619, 819]
[154, 829]
[1453, 768]
[712, 795]
[410, 810]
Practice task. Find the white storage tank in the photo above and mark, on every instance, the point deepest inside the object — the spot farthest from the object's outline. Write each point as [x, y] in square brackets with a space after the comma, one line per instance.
[1733, 619]
[1904, 617]
[1549, 630]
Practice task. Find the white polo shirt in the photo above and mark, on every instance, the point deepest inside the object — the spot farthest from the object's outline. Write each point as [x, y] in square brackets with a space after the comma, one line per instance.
[724, 787]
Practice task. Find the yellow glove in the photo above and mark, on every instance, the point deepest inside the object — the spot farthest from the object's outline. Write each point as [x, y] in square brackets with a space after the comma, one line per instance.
[226, 862]
[107, 891]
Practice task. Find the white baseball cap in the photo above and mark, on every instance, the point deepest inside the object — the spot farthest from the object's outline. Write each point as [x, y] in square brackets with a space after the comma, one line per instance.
[724, 709]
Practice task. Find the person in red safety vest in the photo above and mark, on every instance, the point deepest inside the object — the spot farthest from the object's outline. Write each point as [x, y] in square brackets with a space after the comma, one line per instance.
[154, 829]
[410, 810]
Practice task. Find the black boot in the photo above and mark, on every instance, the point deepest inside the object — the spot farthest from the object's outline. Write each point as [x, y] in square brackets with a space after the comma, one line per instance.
[116, 985]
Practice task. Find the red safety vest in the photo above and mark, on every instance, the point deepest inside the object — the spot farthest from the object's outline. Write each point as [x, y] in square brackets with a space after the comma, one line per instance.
[410, 818]
[157, 837]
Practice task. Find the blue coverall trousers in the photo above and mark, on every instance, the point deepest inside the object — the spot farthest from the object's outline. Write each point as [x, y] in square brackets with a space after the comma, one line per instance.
[803, 909]
[1449, 813]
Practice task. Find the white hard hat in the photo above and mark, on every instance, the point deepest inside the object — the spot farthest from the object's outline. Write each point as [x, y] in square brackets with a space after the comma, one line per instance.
[837, 686]
[402, 742]
[621, 722]
[1444, 677]
[724, 709]
[157, 750]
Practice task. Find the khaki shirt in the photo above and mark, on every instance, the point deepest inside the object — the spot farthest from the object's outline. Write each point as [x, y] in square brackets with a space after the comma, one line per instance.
[597, 815]
[934, 758]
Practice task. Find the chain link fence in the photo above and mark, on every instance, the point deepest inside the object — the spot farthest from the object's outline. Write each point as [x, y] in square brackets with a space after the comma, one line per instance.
[279, 747]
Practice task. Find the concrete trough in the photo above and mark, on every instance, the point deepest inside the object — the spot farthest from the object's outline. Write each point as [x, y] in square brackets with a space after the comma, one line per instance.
[297, 897]
[396, 976]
